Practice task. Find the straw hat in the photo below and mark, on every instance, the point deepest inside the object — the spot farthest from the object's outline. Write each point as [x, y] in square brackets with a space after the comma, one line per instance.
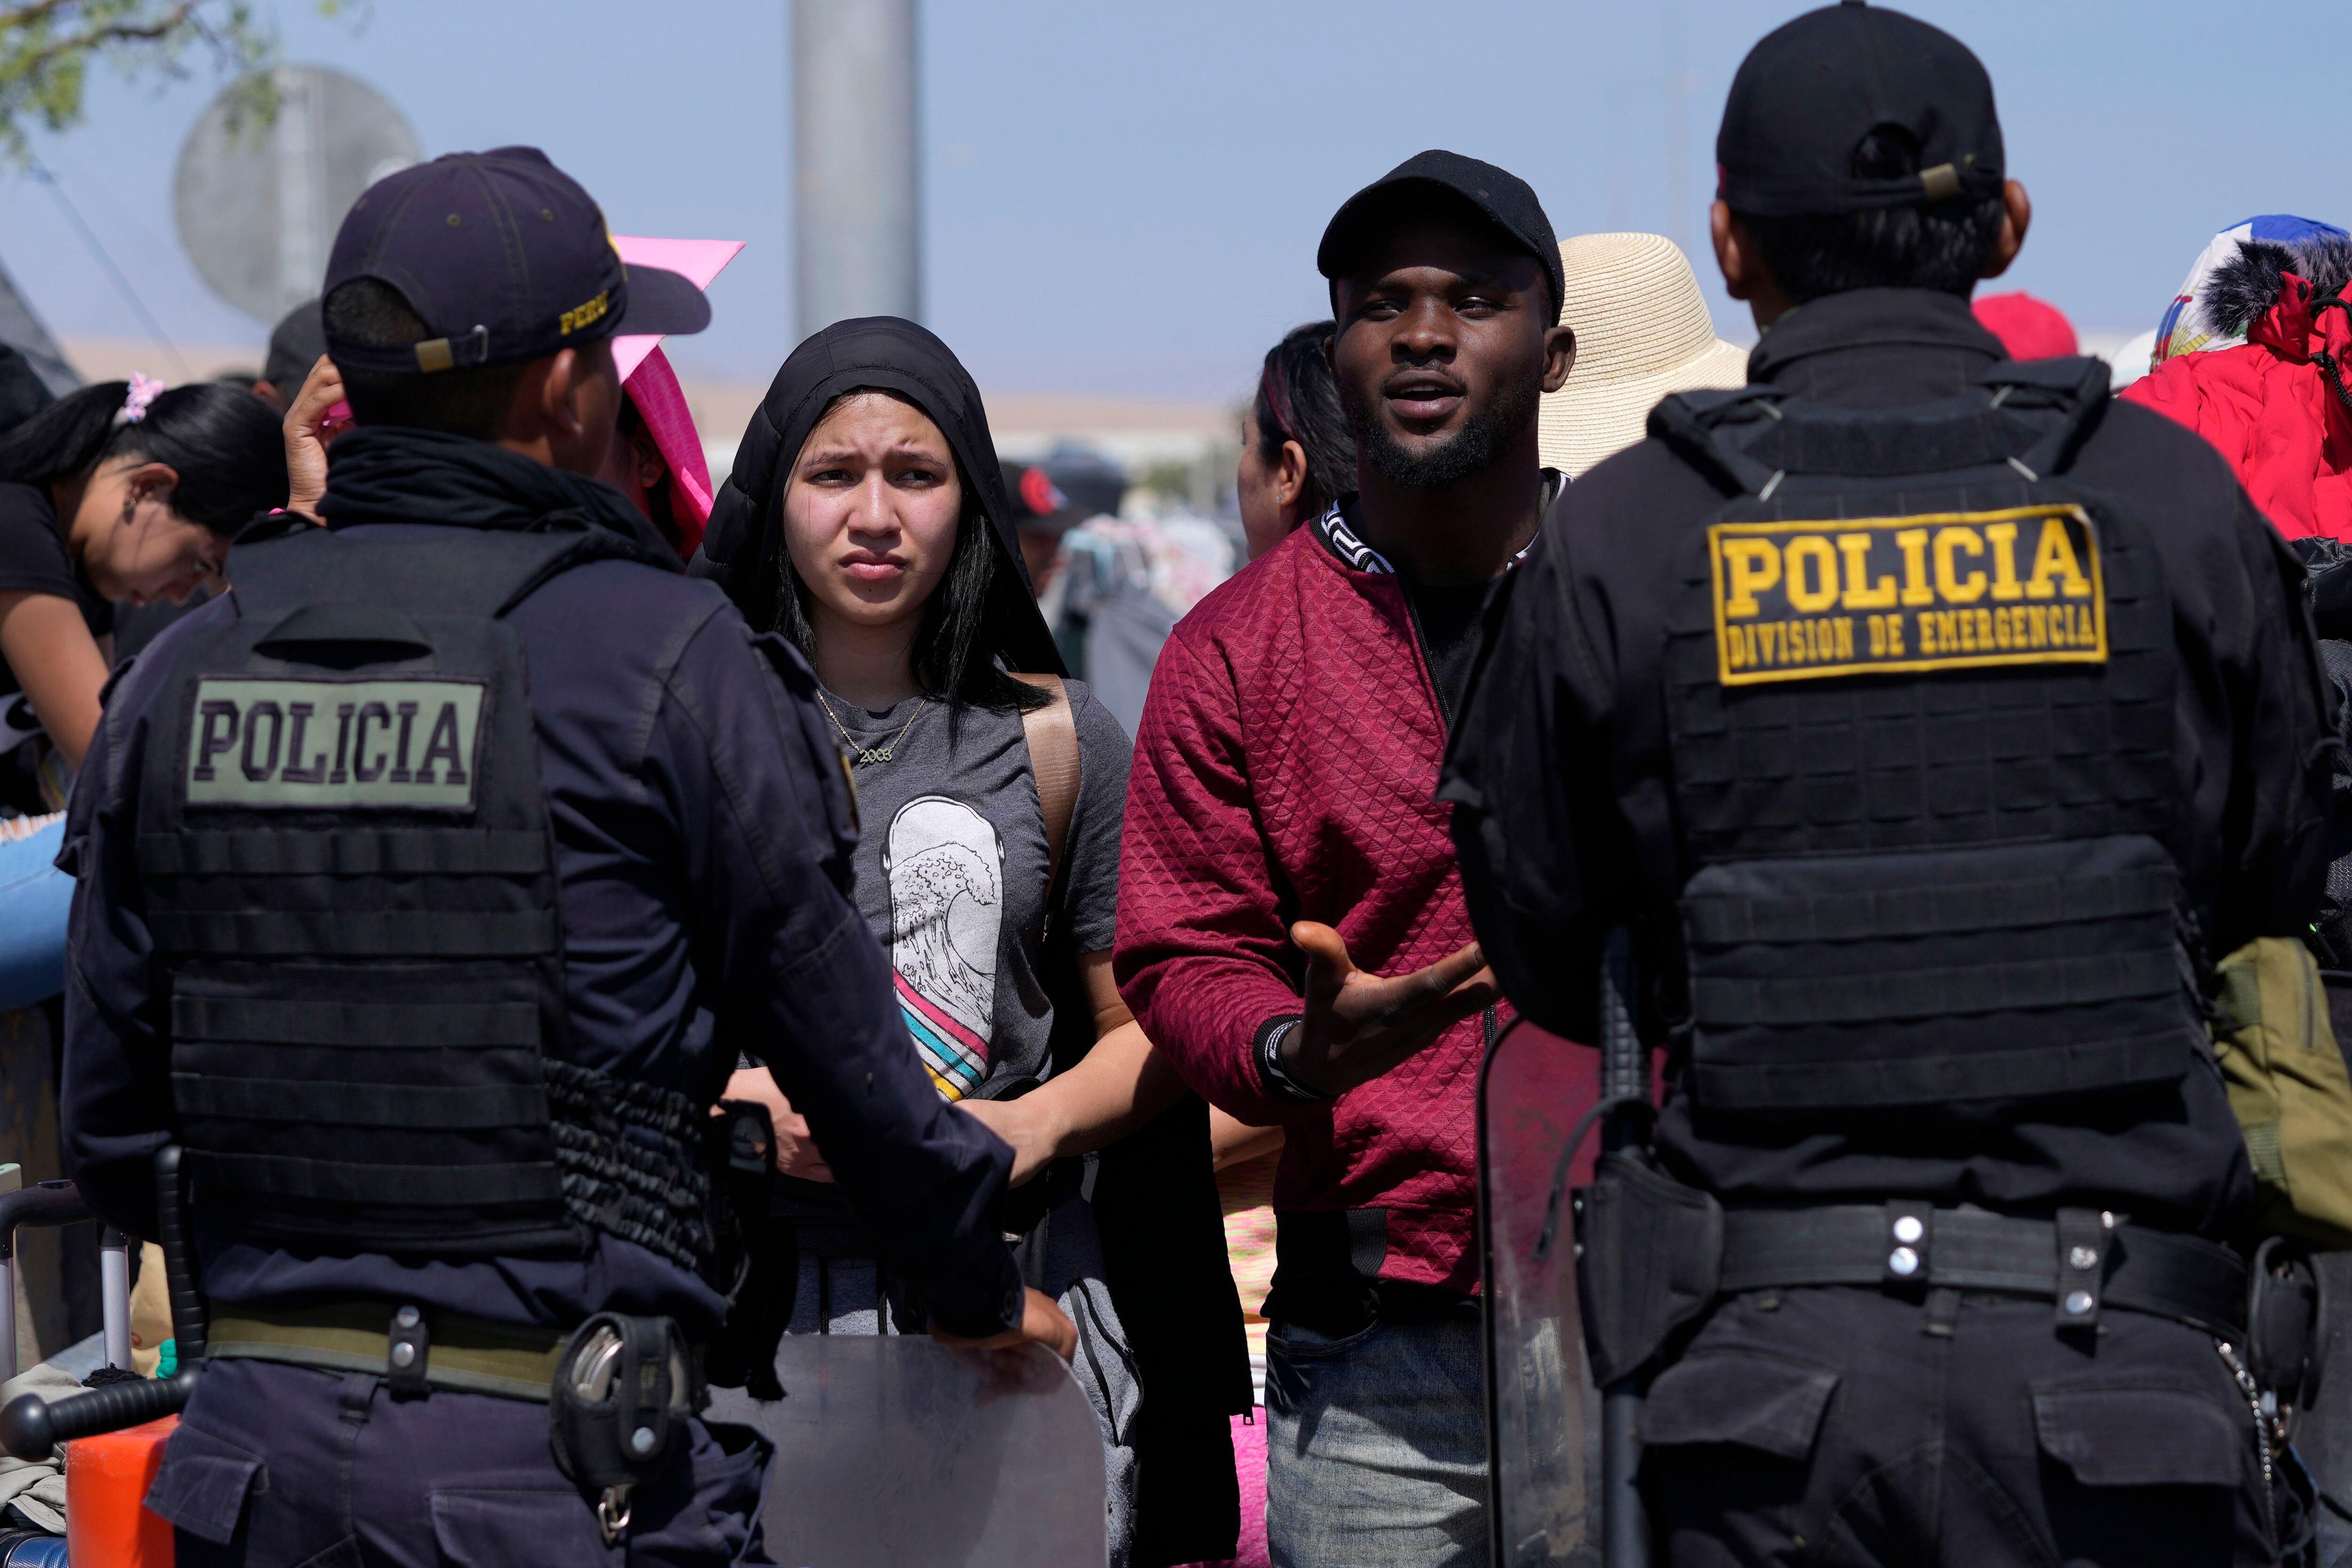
[1642, 334]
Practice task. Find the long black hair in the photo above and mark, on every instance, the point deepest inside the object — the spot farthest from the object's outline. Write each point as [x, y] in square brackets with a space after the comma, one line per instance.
[983, 620]
[225, 443]
[1299, 400]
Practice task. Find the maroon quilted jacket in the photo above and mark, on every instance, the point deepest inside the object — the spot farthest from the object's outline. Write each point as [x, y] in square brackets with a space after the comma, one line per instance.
[1285, 769]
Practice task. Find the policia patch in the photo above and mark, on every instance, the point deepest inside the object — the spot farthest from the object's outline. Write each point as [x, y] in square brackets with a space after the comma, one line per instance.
[1798, 601]
[337, 744]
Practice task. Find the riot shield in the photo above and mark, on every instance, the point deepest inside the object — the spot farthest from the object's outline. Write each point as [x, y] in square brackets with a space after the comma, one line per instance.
[1543, 1411]
[896, 1452]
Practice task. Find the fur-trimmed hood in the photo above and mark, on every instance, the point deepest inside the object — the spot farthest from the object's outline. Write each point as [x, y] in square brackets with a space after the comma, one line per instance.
[2250, 358]
[2239, 289]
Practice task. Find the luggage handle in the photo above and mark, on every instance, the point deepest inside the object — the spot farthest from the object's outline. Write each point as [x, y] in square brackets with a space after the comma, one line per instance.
[31, 1426]
[43, 1204]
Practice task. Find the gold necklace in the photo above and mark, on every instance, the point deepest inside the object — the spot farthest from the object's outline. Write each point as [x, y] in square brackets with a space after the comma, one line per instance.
[872, 753]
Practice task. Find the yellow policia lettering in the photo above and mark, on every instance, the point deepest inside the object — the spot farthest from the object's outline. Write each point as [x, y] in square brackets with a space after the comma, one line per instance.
[2054, 556]
[1823, 591]
[1855, 548]
[580, 316]
[1951, 586]
[2003, 537]
[1947, 587]
[1755, 569]
[1913, 542]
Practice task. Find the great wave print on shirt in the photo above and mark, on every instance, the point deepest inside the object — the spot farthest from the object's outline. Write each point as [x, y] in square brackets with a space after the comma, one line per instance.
[946, 870]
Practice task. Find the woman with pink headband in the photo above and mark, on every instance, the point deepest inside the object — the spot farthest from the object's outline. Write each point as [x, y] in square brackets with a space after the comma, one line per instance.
[120, 493]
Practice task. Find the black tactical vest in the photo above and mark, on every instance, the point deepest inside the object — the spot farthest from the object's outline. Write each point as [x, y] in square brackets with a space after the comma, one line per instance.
[1920, 696]
[350, 880]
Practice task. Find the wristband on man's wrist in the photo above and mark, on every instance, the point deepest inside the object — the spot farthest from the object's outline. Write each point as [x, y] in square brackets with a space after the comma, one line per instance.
[1270, 1035]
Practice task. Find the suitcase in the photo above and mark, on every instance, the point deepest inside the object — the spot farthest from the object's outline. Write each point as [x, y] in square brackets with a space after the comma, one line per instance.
[112, 1436]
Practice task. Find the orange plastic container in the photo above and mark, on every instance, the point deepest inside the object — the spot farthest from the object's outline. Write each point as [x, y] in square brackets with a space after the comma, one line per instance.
[106, 1477]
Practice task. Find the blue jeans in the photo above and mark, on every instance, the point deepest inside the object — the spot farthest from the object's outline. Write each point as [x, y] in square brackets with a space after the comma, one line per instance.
[35, 897]
[1376, 1446]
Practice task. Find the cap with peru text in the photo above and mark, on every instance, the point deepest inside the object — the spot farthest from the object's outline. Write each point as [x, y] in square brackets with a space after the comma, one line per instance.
[505, 259]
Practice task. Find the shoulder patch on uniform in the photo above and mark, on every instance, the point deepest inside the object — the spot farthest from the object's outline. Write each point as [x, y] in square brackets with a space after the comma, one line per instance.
[1800, 600]
[336, 744]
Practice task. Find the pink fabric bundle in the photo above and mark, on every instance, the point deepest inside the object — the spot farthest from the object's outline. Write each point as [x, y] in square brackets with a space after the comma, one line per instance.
[646, 377]
[652, 388]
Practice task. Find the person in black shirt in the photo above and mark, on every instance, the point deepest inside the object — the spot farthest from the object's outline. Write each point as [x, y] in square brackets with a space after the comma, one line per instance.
[1916, 847]
[121, 493]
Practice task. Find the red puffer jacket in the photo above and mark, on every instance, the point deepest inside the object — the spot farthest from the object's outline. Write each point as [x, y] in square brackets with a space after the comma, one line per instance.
[2270, 409]
[1287, 769]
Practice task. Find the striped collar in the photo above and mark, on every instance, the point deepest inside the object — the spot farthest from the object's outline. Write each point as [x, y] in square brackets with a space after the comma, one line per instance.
[1340, 536]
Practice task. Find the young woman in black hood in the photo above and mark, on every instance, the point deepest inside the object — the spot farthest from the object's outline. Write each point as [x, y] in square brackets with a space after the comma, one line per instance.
[865, 521]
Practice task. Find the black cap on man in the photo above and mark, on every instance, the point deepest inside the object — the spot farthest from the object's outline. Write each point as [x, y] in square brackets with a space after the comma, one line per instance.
[492, 839]
[1445, 290]
[1766, 758]
[449, 277]
[1860, 150]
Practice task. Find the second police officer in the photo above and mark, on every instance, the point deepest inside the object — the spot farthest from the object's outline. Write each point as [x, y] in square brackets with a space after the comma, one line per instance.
[1927, 718]
[430, 884]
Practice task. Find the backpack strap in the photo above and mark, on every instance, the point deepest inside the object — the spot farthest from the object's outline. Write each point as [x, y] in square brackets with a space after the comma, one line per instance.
[1053, 737]
[2030, 417]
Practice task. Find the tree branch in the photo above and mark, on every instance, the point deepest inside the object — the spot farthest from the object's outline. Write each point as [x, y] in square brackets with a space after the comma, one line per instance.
[107, 33]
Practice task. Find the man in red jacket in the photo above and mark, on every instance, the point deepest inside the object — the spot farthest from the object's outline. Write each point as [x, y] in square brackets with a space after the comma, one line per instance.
[1285, 850]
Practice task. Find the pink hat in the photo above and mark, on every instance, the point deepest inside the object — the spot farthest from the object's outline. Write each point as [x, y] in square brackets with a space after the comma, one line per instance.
[2027, 327]
[652, 385]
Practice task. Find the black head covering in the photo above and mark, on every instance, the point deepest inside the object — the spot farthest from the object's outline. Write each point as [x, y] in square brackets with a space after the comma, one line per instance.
[882, 353]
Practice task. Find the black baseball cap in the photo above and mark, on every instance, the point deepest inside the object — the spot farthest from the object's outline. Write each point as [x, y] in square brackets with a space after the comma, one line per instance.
[1807, 95]
[1499, 197]
[1038, 501]
[505, 257]
[295, 346]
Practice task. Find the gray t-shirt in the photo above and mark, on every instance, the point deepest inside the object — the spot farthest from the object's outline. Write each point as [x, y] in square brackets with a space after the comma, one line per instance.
[951, 876]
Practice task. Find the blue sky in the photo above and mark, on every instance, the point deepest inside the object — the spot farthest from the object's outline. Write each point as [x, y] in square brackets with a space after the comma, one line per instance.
[1125, 199]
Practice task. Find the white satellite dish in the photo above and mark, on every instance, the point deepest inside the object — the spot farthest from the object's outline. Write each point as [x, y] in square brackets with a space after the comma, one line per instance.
[257, 210]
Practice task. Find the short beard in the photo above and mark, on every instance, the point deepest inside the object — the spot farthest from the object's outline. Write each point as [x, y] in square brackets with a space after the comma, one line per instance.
[1476, 446]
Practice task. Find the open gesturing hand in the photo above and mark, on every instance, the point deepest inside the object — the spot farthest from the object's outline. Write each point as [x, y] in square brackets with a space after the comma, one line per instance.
[1359, 1024]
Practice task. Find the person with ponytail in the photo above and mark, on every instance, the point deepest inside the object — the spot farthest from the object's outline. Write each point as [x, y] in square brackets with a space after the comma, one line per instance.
[1298, 456]
[120, 493]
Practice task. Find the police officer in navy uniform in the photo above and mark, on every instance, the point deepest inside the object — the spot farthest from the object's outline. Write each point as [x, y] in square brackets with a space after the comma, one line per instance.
[1929, 721]
[430, 886]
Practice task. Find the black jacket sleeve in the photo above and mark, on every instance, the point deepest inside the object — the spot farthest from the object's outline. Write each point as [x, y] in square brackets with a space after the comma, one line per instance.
[1526, 777]
[115, 1102]
[799, 981]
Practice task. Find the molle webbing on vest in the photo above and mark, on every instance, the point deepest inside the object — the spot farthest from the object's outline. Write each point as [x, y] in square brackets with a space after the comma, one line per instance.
[351, 881]
[631, 1157]
[2018, 971]
[1927, 840]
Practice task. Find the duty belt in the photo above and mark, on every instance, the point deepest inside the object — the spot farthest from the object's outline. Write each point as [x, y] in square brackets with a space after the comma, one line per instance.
[409, 1347]
[2084, 1260]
